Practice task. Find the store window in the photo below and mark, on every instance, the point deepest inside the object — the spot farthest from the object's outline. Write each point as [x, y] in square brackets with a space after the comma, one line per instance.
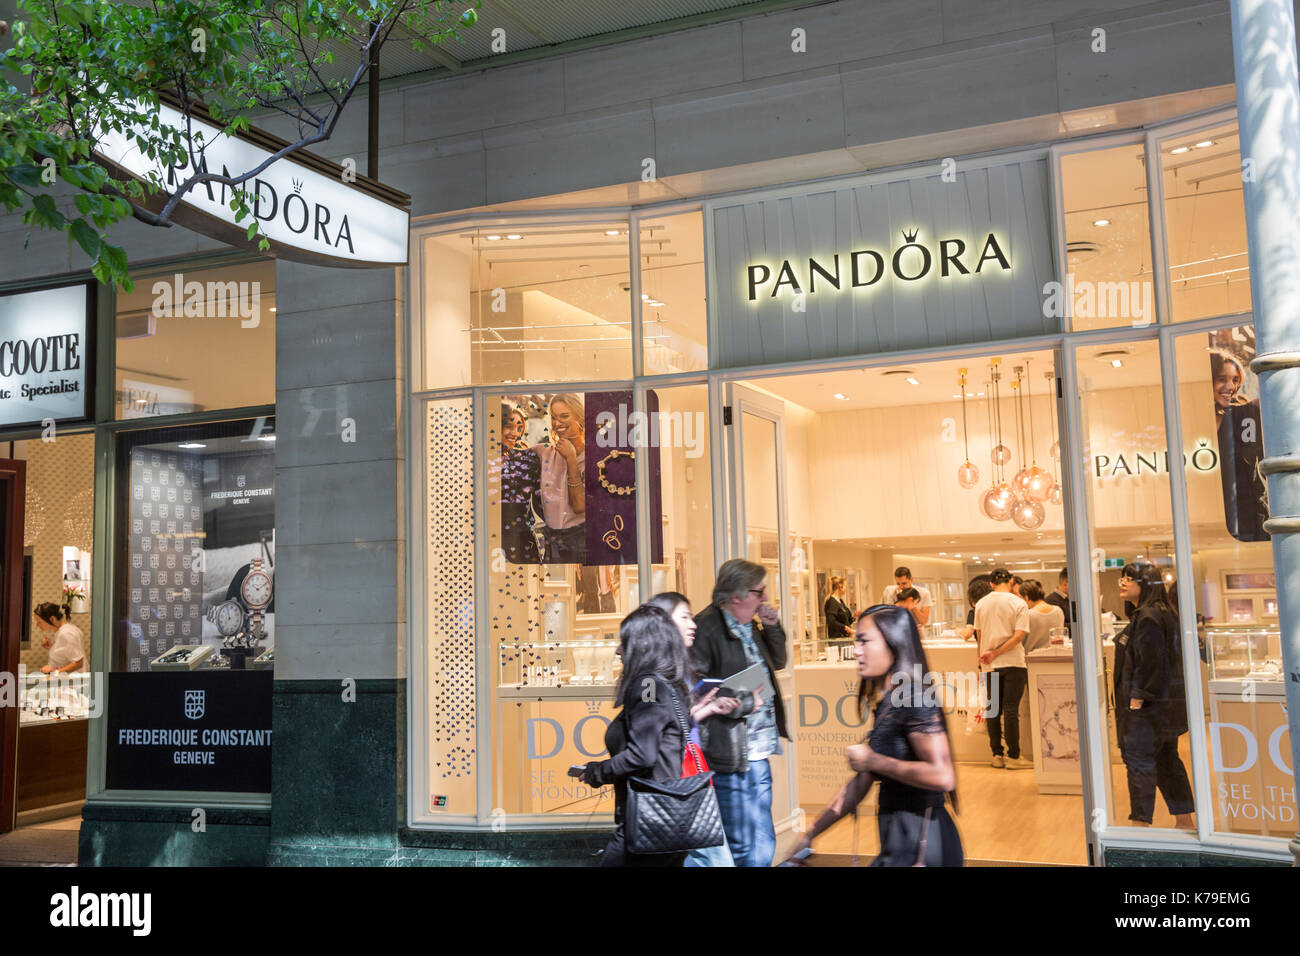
[194, 609]
[534, 302]
[1234, 585]
[1205, 223]
[193, 340]
[673, 319]
[1108, 238]
[1128, 460]
[59, 692]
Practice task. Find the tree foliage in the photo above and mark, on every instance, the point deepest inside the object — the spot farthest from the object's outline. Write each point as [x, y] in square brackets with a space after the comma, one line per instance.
[79, 69]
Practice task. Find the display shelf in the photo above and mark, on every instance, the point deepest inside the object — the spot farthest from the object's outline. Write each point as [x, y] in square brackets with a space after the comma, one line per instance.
[48, 700]
[1243, 652]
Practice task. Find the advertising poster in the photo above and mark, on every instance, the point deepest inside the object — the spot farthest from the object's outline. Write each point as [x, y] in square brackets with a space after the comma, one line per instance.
[239, 528]
[1240, 432]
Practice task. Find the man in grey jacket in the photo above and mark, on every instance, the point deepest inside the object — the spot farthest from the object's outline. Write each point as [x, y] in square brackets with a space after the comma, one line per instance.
[740, 629]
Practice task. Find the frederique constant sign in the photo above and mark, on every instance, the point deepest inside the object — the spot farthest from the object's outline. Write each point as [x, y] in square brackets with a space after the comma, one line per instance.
[45, 355]
[310, 209]
[910, 261]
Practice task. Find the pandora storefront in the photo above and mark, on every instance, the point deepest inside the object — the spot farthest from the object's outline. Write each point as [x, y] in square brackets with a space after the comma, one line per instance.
[1037, 359]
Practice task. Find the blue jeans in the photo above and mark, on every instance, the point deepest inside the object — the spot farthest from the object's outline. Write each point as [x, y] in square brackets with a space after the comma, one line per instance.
[745, 801]
[711, 856]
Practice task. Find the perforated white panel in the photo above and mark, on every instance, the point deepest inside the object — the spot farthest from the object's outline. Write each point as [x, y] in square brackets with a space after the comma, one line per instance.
[450, 563]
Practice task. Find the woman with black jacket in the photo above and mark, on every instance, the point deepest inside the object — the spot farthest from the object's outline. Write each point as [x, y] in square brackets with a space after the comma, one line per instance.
[1150, 698]
[839, 619]
[645, 740]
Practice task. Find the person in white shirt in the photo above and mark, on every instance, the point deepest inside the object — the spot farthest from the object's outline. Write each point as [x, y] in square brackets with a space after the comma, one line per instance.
[902, 580]
[62, 638]
[1043, 616]
[1002, 623]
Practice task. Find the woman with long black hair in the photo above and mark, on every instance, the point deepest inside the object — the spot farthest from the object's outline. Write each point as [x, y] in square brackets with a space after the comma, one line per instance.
[1151, 698]
[907, 750]
[645, 739]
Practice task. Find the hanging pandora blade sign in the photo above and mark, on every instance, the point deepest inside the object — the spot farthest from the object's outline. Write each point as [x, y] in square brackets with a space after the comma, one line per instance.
[302, 206]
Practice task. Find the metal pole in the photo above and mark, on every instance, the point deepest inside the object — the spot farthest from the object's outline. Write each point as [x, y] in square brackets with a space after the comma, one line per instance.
[372, 101]
[1268, 116]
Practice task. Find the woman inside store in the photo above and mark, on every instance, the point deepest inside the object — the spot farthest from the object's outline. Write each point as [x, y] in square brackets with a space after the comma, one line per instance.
[564, 503]
[839, 619]
[62, 638]
[1241, 446]
[675, 605]
[907, 751]
[521, 489]
[645, 739]
[1042, 616]
[1150, 700]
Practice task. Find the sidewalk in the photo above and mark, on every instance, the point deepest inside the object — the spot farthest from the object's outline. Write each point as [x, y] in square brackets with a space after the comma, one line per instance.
[52, 843]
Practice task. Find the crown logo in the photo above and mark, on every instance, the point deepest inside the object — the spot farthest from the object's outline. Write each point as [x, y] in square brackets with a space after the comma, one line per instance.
[910, 237]
[593, 705]
[297, 185]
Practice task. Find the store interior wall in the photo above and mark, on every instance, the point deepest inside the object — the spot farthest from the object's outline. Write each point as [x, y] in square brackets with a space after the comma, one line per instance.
[60, 512]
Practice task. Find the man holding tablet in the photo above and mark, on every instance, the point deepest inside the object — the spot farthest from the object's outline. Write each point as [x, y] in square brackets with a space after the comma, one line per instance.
[736, 632]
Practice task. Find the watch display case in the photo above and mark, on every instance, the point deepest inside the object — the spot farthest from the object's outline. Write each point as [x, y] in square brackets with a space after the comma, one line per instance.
[182, 657]
[48, 698]
[1244, 653]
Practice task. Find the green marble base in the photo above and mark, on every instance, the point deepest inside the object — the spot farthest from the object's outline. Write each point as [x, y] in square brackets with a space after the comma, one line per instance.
[120, 835]
[1147, 858]
[336, 776]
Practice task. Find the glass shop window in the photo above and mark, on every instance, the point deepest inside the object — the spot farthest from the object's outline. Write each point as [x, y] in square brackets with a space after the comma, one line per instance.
[1234, 585]
[1205, 223]
[1108, 238]
[540, 302]
[673, 307]
[192, 340]
[194, 609]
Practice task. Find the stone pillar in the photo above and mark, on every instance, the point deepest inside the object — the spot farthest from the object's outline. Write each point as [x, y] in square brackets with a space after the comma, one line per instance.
[1268, 104]
[339, 700]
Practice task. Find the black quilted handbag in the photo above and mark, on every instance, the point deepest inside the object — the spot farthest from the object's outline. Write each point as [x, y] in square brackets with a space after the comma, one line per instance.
[672, 816]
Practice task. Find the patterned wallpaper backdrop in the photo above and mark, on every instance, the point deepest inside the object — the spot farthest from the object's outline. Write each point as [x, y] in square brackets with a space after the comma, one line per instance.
[60, 511]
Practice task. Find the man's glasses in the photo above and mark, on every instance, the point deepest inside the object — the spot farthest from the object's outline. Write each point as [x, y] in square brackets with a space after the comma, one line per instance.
[759, 591]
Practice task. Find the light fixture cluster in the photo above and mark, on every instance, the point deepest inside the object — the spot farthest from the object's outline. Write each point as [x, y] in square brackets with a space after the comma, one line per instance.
[1022, 498]
[651, 301]
[494, 237]
[1202, 144]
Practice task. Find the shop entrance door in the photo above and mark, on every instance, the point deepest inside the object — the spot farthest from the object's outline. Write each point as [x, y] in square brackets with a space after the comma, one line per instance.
[13, 493]
[757, 530]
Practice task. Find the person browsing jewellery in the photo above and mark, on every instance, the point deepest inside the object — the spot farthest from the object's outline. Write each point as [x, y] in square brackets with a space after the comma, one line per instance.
[61, 637]
[903, 579]
[1002, 624]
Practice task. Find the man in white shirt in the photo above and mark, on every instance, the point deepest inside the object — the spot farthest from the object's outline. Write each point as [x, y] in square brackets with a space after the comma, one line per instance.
[1002, 622]
[903, 580]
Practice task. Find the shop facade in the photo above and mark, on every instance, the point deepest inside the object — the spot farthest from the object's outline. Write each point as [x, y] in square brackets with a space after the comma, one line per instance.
[781, 347]
[776, 369]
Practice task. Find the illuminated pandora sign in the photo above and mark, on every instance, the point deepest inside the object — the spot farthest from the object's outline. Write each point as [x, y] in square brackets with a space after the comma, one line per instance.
[310, 210]
[862, 268]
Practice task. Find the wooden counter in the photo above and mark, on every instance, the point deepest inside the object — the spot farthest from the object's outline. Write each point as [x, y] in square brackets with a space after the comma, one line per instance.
[51, 762]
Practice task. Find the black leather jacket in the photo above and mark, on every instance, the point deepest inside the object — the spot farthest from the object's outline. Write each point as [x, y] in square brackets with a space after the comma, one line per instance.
[1149, 667]
[717, 654]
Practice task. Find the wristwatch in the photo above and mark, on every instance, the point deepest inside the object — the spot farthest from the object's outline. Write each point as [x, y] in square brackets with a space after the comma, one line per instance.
[256, 592]
[228, 616]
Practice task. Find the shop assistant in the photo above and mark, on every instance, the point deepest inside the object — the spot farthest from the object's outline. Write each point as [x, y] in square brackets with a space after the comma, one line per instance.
[62, 639]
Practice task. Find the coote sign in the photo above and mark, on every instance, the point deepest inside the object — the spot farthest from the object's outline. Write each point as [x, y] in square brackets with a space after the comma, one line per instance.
[45, 363]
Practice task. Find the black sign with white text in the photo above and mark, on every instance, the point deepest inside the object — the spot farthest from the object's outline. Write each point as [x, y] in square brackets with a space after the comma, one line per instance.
[190, 731]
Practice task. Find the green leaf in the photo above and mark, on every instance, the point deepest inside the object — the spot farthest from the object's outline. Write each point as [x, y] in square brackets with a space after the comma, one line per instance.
[27, 174]
[46, 213]
[85, 236]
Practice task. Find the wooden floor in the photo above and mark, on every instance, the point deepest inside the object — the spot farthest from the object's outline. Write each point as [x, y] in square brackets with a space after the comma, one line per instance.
[1003, 818]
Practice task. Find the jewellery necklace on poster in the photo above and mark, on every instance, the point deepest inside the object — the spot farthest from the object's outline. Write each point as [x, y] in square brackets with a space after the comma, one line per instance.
[624, 491]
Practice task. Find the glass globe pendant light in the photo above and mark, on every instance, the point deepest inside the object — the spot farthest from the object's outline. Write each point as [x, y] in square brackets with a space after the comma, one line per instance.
[1055, 450]
[1033, 482]
[997, 502]
[1054, 496]
[1028, 514]
[968, 475]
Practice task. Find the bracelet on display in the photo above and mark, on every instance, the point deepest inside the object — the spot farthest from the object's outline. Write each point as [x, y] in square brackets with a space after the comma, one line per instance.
[620, 490]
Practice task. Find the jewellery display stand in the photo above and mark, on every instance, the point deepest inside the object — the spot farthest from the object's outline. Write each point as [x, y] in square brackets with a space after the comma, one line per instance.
[182, 657]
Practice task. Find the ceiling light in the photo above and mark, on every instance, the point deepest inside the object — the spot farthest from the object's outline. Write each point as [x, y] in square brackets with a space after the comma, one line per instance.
[191, 444]
[1179, 150]
[912, 381]
[957, 396]
[1101, 222]
[272, 308]
[943, 554]
[513, 235]
[491, 238]
[841, 396]
[645, 297]
[1116, 363]
[611, 232]
[979, 394]
[266, 437]
[1204, 143]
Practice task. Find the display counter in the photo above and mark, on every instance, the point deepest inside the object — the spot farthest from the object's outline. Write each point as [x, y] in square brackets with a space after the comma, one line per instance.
[52, 734]
[1250, 755]
[1054, 715]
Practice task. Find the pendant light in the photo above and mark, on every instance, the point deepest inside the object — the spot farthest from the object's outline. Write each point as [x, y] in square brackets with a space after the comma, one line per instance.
[1054, 495]
[1039, 482]
[968, 475]
[996, 503]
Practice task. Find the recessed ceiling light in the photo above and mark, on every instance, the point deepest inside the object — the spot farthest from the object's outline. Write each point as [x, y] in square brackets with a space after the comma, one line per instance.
[1116, 363]
[191, 444]
[956, 395]
[912, 381]
[272, 308]
[943, 554]
[841, 396]
[979, 394]
[611, 232]
[266, 437]
[1204, 143]
[1101, 222]
[1179, 150]
[491, 238]
[513, 235]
